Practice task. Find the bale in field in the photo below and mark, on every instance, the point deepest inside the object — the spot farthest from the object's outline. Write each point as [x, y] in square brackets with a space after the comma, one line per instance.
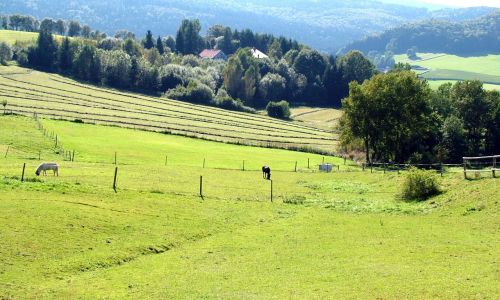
[266, 172]
[43, 167]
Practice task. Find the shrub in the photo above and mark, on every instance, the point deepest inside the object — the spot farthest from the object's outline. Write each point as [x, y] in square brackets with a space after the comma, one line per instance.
[195, 92]
[280, 110]
[223, 100]
[419, 185]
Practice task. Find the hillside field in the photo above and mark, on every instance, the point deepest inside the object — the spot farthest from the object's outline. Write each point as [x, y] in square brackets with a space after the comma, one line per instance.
[11, 36]
[343, 233]
[450, 68]
[58, 97]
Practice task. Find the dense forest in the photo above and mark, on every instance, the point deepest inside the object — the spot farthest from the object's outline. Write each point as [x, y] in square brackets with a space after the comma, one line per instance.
[170, 65]
[466, 38]
[326, 25]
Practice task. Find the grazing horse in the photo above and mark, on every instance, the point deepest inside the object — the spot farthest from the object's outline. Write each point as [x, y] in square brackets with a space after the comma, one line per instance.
[43, 167]
[266, 172]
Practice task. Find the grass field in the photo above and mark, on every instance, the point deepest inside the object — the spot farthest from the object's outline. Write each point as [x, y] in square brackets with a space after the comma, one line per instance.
[325, 118]
[11, 36]
[347, 236]
[58, 97]
[450, 68]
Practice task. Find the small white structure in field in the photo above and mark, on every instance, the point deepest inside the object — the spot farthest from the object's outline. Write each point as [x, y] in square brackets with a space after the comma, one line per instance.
[326, 167]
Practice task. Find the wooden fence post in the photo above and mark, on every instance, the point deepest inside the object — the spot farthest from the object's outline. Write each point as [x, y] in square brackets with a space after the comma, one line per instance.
[114, 180]
[115, 158]
[371, 167]
[22, 176]
[201, 187]
[243, 165]
[384, 168]
[344, 160]
[73, 156]
[203, 163]
[166, 160]
[493, 170]
[323, 160]
[308, 163]
[271, 191]
[465, 169]
[295, 166]
[363, 166]
[7, 152]
[56, 140]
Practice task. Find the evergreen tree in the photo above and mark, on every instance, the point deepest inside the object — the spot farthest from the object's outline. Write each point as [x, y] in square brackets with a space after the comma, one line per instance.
[46, 50]
[65, 55]
[149, 43]
[159, 45]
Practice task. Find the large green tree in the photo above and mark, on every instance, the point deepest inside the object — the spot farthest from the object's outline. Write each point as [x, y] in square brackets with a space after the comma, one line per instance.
[391, 114]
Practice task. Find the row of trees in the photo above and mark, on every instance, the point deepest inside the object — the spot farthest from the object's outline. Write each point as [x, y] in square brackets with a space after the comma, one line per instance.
[397, 117]
[61, 27]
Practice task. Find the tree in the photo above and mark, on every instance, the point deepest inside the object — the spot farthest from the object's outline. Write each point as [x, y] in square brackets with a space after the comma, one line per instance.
[85, 62]
[60, 27]
[5, 53]
[86, 31]
[45, 55]
[170, 42]
[310, 63]
[280, 110]
[65, 55]
[275, 50]
[132, 47]
[5, 22]
[159, 45]
[272, 87]
[250, 80]
[188, 39]
[148, 42]
[474, 108]
[233, 71]
[391, 114]
[74, 28]
[354, 67]
[4, 104]
[47, 25]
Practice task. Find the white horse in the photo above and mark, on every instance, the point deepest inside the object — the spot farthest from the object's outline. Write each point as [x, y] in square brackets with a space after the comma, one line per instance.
[43, 167]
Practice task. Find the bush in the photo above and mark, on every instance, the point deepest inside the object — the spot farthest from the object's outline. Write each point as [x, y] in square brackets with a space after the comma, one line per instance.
[195, 92]
[419, 185]
[223, 100]
[280, 110]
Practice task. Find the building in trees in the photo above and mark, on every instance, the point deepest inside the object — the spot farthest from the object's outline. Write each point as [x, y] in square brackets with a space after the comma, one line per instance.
[213, 54]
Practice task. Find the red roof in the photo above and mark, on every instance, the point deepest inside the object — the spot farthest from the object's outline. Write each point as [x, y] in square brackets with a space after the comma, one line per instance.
[209, 53]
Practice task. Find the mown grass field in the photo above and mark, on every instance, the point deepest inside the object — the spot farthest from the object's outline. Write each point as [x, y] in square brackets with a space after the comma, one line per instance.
[451, 68]
[58, 97]
[326, 118]
[11, 36]
[347, 236]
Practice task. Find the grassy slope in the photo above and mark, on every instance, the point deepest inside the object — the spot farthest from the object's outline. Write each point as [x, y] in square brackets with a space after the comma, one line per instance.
[72, 236]
[325, 118]
[11, 36]
[59, 97]
[451, 67]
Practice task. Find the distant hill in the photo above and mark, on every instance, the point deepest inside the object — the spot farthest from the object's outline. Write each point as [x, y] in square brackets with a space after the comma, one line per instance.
[323, 24]
[478, 36]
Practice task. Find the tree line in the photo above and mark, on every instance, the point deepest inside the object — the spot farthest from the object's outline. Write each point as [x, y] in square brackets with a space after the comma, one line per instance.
[171, 66]
[60, 27]
[396, 117]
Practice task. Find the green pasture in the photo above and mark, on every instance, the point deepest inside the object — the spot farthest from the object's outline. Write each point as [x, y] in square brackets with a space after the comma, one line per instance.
[57, 97]
[343, 234]
[450, 68]
[11, 36]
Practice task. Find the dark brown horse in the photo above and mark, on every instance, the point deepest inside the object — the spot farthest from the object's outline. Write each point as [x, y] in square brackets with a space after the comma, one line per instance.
[266, 172]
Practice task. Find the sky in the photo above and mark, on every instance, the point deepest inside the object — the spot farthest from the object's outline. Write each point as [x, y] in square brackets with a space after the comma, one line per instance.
[449, 3]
